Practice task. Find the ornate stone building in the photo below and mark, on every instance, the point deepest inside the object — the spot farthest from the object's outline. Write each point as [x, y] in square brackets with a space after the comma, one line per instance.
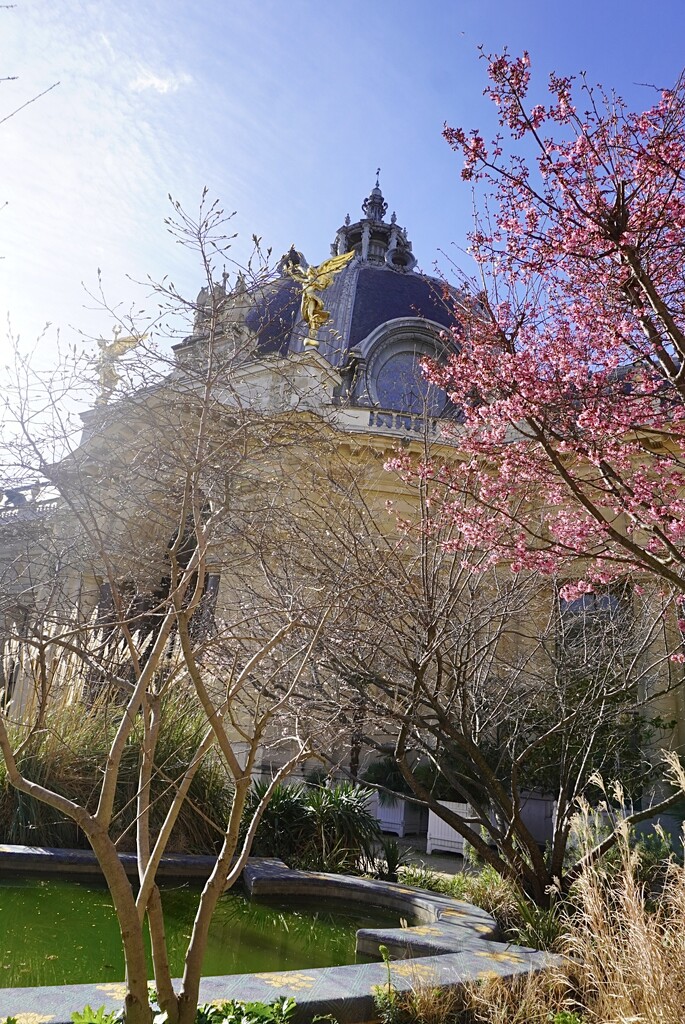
[285, 404]
[384, 317]
[358, 377]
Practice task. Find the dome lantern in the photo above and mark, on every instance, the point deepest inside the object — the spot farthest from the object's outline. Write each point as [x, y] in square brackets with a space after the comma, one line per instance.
[372, 238]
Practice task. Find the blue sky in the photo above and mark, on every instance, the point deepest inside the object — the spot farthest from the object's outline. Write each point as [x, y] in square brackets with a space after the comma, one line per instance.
[283, 110]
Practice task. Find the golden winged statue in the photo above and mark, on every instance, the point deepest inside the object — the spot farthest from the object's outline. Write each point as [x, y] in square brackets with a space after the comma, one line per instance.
[110, 351]
[313, 281]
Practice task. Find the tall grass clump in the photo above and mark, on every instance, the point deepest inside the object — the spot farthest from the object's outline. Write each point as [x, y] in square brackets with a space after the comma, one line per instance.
[622, 953]
[628, 940]
[203, 816]
[622, 948]
[541, 998]
[623, 956]
[68, 754]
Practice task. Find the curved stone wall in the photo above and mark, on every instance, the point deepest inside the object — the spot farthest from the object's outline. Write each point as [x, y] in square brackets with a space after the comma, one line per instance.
[447, 943]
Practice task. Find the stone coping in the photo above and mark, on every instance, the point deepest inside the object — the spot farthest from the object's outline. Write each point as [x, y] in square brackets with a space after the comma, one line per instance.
[452, 942]
[53, 861]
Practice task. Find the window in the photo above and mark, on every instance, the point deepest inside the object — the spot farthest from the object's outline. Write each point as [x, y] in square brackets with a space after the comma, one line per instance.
[594, 625]
[400, 384]
[394, 378]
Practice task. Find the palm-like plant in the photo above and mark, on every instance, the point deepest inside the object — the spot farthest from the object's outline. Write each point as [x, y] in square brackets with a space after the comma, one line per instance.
[344, 830]
[324, 828]
[284, 828]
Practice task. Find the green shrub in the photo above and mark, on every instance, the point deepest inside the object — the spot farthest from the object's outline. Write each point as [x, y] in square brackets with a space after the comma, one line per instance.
[519, 919]
[385, 772]
[235, 1011]
[284, 827]
[421, 877]
[317, 828]
[99, 1016]
[344, 831]
[537, 927]
[392, 858]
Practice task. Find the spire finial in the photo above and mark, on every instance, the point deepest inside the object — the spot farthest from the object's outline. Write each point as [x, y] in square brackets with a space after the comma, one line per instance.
[375, 207]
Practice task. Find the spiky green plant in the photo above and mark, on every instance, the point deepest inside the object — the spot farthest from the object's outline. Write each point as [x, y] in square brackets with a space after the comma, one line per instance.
[68, 755]
[323, 828]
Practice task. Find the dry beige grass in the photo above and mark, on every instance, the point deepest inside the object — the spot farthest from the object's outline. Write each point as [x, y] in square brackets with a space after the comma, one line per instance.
[630, 946]
[623, 948]
[529, 999]
[625, 959]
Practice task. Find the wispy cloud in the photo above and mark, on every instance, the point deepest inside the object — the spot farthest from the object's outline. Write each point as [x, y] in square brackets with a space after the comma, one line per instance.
[104, 39]
[161, 83]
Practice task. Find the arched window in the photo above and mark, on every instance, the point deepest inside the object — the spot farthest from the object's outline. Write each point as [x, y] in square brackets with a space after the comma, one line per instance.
[394, 376]
[400, 383]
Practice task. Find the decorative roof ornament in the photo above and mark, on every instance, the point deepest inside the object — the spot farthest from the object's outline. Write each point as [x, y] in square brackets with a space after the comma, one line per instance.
[314, 280]
[372, 238]
[293, 259]
[375, 207]
[110, 352]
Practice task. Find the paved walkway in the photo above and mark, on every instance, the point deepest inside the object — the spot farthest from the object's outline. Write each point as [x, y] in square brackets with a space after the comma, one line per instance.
[445, 863]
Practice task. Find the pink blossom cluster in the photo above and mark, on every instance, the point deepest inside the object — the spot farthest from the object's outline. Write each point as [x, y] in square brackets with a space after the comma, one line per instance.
[569, 355]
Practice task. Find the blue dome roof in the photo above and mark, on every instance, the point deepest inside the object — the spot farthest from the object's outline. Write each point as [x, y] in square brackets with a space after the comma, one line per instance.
[273, 318]
[384, 294]
[362, 297]
[384, 317]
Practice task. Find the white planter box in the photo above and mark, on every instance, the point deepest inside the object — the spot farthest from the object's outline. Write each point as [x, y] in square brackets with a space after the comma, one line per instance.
[442, 836]
[403, 817]
[537, 814]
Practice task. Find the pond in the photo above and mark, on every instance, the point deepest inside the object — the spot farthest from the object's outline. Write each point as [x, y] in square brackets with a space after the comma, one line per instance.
[57, 932]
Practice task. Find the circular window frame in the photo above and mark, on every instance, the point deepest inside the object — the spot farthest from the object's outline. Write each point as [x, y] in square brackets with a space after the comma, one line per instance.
[420, 338]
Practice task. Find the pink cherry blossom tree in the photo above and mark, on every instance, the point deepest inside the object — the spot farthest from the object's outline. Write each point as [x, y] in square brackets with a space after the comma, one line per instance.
[570, 368]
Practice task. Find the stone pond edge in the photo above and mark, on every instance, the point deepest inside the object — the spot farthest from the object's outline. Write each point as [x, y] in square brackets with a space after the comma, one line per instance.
[451, 942]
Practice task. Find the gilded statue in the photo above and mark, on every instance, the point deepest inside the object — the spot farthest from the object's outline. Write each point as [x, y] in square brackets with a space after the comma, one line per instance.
[315, 280]
[110, 351]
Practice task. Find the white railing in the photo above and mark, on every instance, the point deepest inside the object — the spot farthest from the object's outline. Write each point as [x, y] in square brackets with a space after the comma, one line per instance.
[27, 512]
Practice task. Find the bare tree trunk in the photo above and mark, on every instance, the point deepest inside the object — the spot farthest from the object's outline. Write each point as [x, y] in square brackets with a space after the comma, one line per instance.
[166, 996]
[190, 991]
[137, 1003]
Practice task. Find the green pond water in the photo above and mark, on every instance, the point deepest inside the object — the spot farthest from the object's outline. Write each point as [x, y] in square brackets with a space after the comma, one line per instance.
[55, 932]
